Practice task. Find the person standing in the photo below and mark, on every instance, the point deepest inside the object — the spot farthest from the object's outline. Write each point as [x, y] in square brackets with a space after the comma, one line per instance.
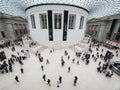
[22, 71]
[75, 80]
[78, 62]
[60, 79]
[68, 57]
[50, 51]
[48, 82]
[68, 69]
[10, 68]
[47, 61]
[73, 60]
[44, 77]
[16, 78]
[63, 62]
[39, 55]
[99, 63]
[42, 68]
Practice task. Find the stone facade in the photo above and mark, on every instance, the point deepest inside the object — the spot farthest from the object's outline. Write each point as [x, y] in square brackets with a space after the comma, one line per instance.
[12, 27]
[60, 25]
[105, 28]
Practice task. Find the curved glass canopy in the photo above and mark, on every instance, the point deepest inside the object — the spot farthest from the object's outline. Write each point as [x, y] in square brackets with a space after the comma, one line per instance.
[96, 8]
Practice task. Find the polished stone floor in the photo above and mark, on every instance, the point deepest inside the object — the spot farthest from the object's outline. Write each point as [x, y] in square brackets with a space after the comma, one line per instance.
[88, 77]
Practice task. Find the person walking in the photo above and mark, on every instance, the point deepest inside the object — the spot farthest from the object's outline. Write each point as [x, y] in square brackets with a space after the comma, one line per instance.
[16, 78]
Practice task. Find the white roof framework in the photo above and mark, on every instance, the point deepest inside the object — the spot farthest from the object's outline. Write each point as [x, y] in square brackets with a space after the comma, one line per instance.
[96, 8]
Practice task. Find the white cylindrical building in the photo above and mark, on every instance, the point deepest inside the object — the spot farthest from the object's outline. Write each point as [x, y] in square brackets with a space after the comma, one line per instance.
[57, 25]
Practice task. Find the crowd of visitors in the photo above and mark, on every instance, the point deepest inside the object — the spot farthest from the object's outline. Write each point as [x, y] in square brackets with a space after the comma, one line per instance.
[6, 66]
[103, 60]
[86, 57]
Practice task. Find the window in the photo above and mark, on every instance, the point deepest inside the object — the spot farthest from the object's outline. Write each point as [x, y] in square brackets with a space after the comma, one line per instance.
[15, 26]
[16, 32]
[20, 26]
[24, 31]
[33, 21]
[81, 22]
[24, 26]
[117, 37]
[43, 21]
[72, 21]
[57, 20]
[95, 34]
[3, 34]
[21, 32]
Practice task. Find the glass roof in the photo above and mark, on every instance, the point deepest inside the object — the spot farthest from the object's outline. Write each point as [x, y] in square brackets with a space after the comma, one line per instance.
[96, 8]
